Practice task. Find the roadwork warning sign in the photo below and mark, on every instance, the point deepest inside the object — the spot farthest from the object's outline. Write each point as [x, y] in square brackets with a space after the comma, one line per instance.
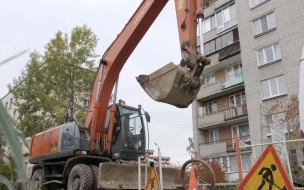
[152, 183]
[267, 173]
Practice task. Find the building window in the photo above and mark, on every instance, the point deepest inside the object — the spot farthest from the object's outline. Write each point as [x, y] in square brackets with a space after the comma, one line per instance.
[6, 105]
[226, 18]
[210, 79]
[225, 163]
[234, 71]
[212, 107]
[14, 116]
[214, 136]
[254, 3]
[10, 104]
[269, 54]
[237, 99]
[277, 120]
[233, 164]
[245, 158]
[221, 42]
[85, 104]
[264, 23]
[223, 20]
[217, 161]
[242, 131]
[209, 24]
[273, 87]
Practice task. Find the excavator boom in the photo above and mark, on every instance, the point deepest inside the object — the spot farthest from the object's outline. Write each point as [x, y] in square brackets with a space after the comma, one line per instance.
[113, 61]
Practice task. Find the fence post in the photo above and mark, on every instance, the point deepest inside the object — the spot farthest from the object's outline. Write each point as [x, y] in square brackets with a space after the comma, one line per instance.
[288, 162]
[238, 156]
[139, 174]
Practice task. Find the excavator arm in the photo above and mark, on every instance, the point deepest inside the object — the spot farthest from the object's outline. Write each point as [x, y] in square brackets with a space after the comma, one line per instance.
[180, 83]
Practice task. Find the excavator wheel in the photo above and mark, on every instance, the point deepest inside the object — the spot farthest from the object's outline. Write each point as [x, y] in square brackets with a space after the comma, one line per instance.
[95, 178]
[36, 181]
[81, 178]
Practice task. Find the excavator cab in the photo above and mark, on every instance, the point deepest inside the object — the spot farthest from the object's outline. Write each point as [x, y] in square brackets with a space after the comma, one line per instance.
[129, 139]
[128, 144]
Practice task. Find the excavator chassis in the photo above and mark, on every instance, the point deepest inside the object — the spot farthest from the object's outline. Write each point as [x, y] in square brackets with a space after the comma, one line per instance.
[125, 176]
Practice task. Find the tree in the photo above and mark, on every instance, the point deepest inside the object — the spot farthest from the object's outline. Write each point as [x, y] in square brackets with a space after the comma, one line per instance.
[284, 115]
[190, 148]
[63, 72]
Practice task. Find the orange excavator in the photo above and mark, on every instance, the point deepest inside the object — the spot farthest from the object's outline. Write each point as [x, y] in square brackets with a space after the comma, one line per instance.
[102, 152]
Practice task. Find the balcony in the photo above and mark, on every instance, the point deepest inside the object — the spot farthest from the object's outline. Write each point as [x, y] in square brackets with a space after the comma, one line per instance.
[235, 112]
[219, 3]
[224, 117]
[208, 9]
[228, 85]
[222, 146]
[229, 51]
[213, 148]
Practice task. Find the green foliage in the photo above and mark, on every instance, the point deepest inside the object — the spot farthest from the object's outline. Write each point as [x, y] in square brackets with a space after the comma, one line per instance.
[8, 170]
[15, 162]
[191, 145]
[64, 71]
[15, 166]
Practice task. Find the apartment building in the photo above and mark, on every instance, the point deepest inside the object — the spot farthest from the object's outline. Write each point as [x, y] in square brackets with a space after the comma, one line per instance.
[255, 49]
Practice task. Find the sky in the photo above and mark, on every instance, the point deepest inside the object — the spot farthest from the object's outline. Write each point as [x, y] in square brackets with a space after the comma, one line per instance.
[31, 24]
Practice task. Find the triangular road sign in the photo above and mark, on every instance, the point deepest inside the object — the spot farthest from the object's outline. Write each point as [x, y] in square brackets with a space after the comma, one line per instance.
[152, 183]
[267, 173]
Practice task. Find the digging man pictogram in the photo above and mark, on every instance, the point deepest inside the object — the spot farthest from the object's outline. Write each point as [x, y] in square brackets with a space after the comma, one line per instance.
[268, 177]
[152, 183]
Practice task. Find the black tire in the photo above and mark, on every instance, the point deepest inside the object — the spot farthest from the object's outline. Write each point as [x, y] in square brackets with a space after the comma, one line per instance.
[36, 181]
[95, 173]
[80, 178]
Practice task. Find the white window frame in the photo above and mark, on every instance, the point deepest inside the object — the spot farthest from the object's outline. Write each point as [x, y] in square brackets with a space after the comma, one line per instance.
[251, 6]
[213, 103]
[277, 85]
[240, 70]
[263, 51]
[278, 121]
[210, 25]
[212, 77]
[223, 19]
[214, 140]
[260, 24]
[241, 96]
[238, 132]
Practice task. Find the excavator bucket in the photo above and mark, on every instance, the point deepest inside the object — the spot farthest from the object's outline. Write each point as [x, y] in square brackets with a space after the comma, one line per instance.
[125, 176]
[168, 85]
